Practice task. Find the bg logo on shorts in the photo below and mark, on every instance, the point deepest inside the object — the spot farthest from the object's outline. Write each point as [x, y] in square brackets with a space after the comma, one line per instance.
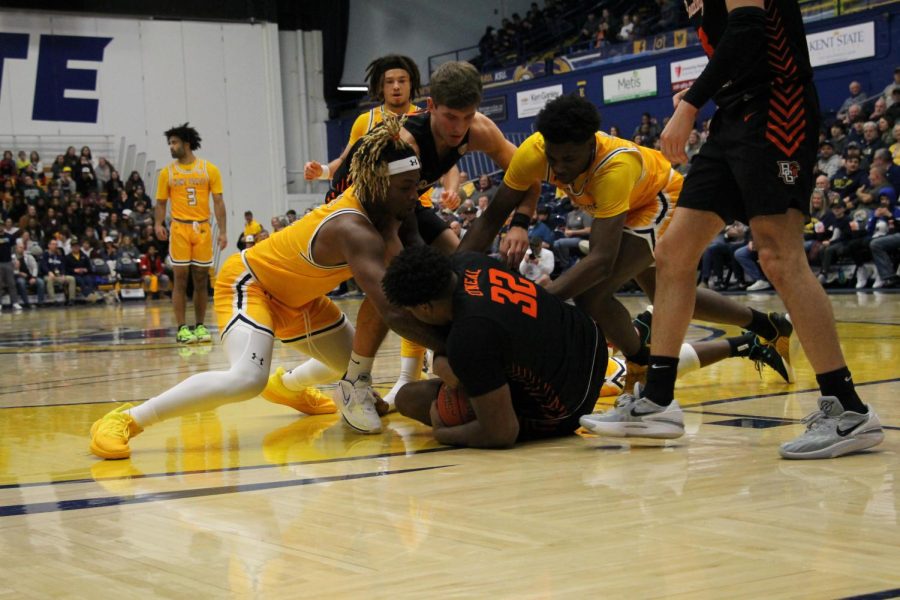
[789, 171]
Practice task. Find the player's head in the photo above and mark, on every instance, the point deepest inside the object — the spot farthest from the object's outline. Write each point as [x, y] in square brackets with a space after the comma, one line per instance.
[393, 79]
[568, 125]
[455, 96]
[182, 139]
[421, 279]
[385, 170]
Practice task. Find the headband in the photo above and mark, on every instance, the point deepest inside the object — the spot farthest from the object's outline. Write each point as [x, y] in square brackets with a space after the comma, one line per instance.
[410, 163]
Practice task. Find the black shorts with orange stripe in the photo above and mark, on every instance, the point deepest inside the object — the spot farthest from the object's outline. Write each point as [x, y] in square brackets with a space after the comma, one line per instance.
[759, 157]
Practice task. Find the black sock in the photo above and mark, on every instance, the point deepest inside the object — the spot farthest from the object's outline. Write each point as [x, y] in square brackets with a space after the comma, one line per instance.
[741, 345]
[839, 383]
[661, 373]
[196, 325]
[179, 327]
[641, 357]
[761, 325]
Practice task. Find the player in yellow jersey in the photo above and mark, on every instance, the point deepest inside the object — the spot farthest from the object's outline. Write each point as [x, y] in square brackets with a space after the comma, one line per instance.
[187, 183]
[277, 290]
[631, 192]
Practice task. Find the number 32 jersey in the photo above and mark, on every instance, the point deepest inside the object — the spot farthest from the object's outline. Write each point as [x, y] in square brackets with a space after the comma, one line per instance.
[188, 188]
[506, 329]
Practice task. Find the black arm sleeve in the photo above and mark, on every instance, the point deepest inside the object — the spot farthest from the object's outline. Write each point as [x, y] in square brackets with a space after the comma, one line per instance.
[744, 32]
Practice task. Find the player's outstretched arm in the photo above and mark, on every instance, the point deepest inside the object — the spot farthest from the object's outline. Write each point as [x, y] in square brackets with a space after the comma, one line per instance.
[486, 227]
[597, 266]
[495, 425]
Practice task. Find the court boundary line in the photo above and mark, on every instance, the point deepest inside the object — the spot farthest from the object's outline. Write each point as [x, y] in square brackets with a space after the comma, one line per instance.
[12, 510]
[8, 486]
[785, 420]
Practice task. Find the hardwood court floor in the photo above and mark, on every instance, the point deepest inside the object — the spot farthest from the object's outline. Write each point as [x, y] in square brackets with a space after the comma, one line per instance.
[253, 500]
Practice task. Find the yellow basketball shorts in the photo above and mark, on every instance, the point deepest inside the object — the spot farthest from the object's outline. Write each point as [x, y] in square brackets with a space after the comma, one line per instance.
[651, 221]
[190, 244]
[240, 298]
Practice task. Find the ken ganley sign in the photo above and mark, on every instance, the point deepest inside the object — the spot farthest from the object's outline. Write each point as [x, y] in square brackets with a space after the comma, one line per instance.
[530, 103]
[628, 85]
[840, 45]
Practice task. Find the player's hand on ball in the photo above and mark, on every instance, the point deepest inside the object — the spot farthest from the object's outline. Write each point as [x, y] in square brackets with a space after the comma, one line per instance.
[435, 416]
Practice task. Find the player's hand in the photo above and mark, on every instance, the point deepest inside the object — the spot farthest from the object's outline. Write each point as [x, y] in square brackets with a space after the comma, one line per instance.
[312, 170]
[675, 135]
[223, 240]
[514, 245]
[450, 199]
[436, 422]
[161, 233]
[676, 99]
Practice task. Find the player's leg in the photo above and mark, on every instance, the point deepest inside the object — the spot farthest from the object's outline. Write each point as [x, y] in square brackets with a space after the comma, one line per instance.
[180, 254]
[784, 262]
[415, 399]
[201, 262]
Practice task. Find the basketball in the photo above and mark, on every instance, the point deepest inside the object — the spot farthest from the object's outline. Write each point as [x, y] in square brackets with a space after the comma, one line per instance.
[614, 380]
[453, 406]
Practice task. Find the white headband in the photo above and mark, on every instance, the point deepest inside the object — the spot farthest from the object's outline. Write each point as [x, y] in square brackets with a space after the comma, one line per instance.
[403, 165]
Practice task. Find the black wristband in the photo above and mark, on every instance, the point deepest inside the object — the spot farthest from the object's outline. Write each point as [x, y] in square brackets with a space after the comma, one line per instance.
[520, 220]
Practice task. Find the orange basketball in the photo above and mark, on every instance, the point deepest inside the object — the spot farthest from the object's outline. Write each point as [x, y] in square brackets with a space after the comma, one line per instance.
[453, 406]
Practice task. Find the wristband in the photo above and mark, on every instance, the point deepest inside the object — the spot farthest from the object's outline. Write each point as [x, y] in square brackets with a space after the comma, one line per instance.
[520, 220]
[326, 172]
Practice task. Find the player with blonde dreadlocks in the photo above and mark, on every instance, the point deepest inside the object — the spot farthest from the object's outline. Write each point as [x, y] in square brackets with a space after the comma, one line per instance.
[276, 289]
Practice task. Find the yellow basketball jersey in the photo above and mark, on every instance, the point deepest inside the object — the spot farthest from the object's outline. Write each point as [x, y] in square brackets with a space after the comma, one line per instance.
[529, 164]
[283, 263]
[365, 122]
[188, 188]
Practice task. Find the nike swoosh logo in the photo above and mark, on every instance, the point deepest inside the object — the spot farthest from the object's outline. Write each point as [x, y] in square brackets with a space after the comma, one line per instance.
[637, 414]
[659, 366]
[846, 432]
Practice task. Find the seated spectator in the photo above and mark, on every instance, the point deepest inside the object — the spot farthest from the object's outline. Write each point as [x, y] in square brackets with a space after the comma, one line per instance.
[885, 130]
[278, 223]
[456, 228]
[578, 227]
[141, 216]
[8, 167]
[114, 185]
[55, 272]
[882, 160]
[838, 137]
[66, 183]
[589, 28]
[22, 161]
[8, 268]
[871, 141]
[468, 212]
[153, 273]
[647, 127]
[829, 162]
[127, 258]
[103, 173]
[877, 185]
[893, 110]
[888, 92]
[134, 179]
[720, 253]
[85, 179]
[540, 226]
[483, 201]
[29, 275]
[748, 258]
[78, 265]
[538, 262]
[884, 230]
[831, 233]
[848, 178]
[138, 195]
[878, 110]
[627, 29]
[856, 97]
[291, 215]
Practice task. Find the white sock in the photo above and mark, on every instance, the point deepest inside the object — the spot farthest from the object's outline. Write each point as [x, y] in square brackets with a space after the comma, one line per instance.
[410, 370]
[687, 360]
[359, 365]
[312, 372]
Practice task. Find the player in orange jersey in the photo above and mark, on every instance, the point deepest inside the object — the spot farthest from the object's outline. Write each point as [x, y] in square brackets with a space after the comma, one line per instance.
[188, 183]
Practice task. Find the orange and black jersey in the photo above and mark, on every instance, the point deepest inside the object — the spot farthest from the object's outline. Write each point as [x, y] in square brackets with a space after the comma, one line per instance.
[781, 61]
[433, 167]
[507, 330]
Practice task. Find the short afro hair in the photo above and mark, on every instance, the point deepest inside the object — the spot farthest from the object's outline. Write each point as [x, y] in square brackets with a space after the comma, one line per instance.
[186, 134]
[419, 274]
[568, 119]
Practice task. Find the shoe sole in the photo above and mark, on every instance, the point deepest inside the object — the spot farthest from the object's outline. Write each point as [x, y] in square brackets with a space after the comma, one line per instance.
[357, 429]
[862, 441]
[656, 431]
[108, 455]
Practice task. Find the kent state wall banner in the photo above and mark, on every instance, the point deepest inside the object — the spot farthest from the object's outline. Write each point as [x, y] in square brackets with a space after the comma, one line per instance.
[628, 85]
[530, 102]
[840, 45]
[686, 72]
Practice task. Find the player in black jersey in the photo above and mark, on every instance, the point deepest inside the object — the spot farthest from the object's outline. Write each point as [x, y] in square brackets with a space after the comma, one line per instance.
[451, 127]
[531, 364]
[756, 167]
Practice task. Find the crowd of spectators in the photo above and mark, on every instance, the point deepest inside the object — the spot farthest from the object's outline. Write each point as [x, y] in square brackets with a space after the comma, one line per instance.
[572, 25]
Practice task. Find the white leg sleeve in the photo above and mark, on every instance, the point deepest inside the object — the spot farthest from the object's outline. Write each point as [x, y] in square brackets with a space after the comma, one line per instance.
[410, 370]
[330, 353]
[249, 354]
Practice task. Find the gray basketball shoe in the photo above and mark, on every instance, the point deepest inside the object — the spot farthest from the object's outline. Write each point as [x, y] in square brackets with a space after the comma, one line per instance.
[832, 431]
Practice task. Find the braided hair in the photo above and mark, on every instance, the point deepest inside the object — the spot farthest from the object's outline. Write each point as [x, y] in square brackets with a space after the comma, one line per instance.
[369, 167]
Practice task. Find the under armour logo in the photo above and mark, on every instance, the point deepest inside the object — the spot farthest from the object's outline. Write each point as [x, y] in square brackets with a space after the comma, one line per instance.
[260, 359]
[789, 171]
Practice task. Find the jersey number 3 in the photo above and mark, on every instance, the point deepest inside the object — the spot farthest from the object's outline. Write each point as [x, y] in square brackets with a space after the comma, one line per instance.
[505, 288]
[192, 196]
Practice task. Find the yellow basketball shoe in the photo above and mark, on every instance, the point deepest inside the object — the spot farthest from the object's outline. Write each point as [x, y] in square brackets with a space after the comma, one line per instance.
[634, 373]
[783, 342]
[110, 434]
[309, 400]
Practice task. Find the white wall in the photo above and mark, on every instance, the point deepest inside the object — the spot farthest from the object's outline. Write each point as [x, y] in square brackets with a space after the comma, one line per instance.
[223, 78]
[418, 29]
